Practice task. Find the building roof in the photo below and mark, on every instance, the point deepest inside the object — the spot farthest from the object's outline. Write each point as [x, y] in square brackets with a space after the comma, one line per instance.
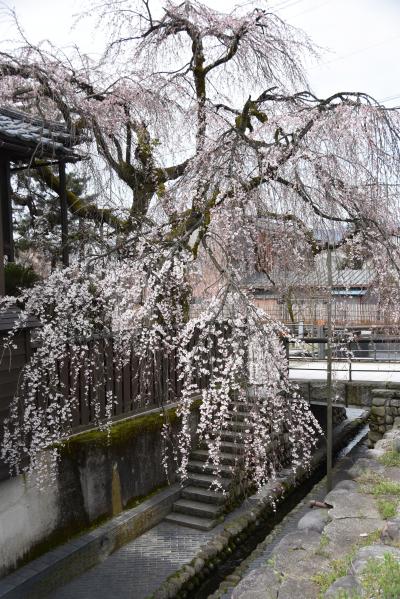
[9, 318]
[23, 136]
[317, 277]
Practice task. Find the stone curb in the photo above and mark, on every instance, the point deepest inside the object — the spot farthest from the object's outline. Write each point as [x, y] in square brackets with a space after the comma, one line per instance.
[60, 565]
[216, 550]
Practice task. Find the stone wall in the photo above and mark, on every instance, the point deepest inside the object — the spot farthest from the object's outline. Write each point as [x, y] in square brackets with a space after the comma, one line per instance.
[385, 408]
[98, 476]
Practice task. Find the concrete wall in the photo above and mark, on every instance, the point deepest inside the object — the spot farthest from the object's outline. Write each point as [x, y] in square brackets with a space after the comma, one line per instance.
[358, 393]
[98, 477]
[27, 516]
[338, 415]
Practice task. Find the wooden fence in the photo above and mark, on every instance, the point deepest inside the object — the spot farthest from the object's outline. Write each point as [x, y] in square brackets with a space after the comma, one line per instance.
[344, 313]
[93, 371]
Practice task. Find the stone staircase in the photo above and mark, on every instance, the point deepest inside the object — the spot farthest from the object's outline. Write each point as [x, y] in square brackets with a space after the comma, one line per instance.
[199, 506]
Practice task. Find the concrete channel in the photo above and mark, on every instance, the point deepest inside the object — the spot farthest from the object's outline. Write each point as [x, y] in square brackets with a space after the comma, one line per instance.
[171, 561]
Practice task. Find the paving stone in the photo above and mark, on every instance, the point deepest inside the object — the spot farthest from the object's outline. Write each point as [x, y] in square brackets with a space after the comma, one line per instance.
[349, 504]
[295, 588]
[347, 485]
[297, 554]
[344, 533]
[262, 583]
[348, 585]
[138, 568]
[392, 472]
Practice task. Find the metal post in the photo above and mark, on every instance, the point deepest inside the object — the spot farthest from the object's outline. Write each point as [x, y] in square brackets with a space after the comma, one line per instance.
[64, 213]
[2, 186]
[329, 424]
[6, 209]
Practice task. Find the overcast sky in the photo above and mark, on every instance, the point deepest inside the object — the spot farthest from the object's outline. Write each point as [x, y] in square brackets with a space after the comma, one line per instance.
[362, 38]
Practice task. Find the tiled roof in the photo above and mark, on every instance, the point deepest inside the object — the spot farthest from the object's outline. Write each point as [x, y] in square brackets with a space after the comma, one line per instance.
[346, 278]
[9, 317]
[43, 139]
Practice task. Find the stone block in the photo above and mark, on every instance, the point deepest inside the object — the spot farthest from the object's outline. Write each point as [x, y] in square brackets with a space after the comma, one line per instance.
[389, 419]
[378, 410]
[378, 401]
[381, 393]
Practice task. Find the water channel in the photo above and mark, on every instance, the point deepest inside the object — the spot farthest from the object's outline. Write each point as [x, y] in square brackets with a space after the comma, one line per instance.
[256, 550]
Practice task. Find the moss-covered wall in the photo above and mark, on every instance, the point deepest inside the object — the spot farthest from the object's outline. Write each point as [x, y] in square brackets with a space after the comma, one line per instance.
[100, 473]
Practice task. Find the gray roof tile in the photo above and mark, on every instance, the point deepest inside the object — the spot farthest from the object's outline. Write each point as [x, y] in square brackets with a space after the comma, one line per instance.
[32, 134]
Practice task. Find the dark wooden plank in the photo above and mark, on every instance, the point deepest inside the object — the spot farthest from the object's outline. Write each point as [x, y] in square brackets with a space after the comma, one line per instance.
[119, 396]
[98, 377]
[64, 380]
[16, 361]
[109, 370]
[84, 402]
[135, 382]
[126, 387]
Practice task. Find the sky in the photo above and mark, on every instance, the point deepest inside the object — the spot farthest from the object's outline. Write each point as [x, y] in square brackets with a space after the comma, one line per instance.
[360, 39]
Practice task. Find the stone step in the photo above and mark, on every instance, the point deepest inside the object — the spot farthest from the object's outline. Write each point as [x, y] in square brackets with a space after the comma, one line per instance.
[201, 455]
[232, 447]
[191, 521]
[197, 508]
[199, 466]
[205, 481]
[204, 495]
[238, 415]
[242, 409]
[232, 436]
[237, 425]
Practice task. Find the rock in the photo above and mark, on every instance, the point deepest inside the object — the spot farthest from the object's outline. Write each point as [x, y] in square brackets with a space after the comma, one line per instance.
[396, 444]
[297, 588]
[347, 485]
[346, 586]
[384, 444]
[390, 534]
[314, 520]
[363, 464]
[262, 583]
[371, 552]
[373, 436]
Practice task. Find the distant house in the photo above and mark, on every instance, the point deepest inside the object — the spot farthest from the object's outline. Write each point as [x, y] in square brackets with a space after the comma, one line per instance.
[295, 298]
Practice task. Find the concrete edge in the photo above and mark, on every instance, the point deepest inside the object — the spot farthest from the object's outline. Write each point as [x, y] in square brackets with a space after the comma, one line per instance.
[67, 561]
[219, 547]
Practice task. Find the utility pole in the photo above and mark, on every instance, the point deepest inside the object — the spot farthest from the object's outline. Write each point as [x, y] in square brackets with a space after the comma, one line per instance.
[329, 423]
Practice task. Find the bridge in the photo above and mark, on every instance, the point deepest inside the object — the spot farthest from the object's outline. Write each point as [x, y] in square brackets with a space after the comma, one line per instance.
[343, 370]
